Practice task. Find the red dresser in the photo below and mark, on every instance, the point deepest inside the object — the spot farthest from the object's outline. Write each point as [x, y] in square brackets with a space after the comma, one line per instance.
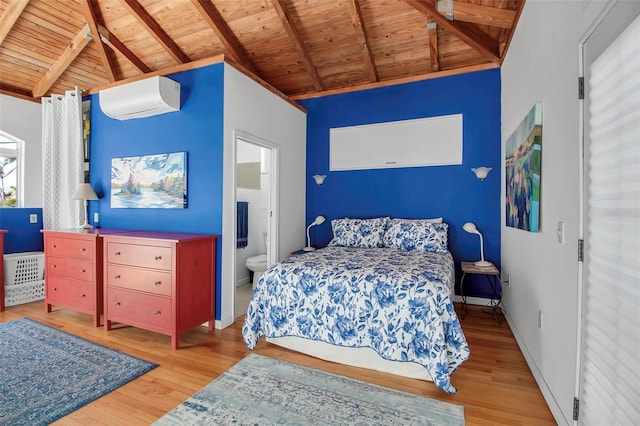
[73, 270]
[160, 281]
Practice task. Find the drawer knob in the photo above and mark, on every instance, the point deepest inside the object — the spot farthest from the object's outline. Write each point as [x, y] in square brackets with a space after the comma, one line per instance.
[116, 253]
[53, 266]
[53, 246]
[83, 270]
[157, 283]
[158, 257]
[82, 296]
[157, 312]
[55, 289]
[83, 249]
[116, 277]
[117, 304]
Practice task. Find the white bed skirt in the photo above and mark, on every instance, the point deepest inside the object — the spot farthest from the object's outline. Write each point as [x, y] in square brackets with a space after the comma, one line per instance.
[356, 357]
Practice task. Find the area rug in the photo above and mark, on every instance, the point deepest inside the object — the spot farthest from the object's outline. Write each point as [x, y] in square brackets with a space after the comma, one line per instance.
[263, 391]
[46, 373]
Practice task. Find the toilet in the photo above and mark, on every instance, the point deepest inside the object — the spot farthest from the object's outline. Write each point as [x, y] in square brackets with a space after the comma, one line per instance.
[258, 264]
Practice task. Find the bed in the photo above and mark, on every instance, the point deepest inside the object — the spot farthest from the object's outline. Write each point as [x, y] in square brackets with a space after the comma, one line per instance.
[386, 295]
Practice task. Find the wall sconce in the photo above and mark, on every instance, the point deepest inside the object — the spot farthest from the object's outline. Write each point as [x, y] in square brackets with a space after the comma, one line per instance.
[319, 220]
[481, 172]
[471, 228]
[319, 179]
[84, 192]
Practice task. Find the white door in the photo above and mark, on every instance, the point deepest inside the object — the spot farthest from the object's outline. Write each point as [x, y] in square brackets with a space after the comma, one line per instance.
[609, 356]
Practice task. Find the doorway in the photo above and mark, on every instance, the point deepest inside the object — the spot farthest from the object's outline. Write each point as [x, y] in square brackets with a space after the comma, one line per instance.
[608, 382]
[256, 214]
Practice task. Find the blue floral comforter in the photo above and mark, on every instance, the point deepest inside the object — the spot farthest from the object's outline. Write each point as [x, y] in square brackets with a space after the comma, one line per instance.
[397, 302]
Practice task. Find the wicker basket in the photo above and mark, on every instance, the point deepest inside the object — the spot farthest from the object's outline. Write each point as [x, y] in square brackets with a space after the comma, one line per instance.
[23, 277]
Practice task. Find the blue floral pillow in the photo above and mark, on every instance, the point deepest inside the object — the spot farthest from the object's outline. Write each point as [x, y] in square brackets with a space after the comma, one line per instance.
[416, 235]
[365, 233]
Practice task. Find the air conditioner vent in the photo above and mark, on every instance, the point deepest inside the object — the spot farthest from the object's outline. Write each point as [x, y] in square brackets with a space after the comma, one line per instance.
[142, 98]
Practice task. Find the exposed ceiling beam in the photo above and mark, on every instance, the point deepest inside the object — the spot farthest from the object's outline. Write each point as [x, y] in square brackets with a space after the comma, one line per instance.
[62, 63]
[113, 42]
[432, 29]
[468, 33]
[483, 15]
[223, 32]
[298, 44]
[92, 21]
[156, 31]
[363, 41]
[11, 14]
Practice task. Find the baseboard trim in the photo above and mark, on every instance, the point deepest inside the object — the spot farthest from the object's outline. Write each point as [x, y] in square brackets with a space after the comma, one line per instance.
[224, 323]
[242, 281]
[539, 378]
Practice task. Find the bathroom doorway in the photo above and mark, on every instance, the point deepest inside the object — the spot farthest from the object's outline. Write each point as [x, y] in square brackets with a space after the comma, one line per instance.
[256, 218]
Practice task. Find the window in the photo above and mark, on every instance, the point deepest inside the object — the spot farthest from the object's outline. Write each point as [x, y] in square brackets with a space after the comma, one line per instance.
[10, 169]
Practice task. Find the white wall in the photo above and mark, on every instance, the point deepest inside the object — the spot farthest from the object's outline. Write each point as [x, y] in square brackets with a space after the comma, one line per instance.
[542, 65]
[252, 109]
[23, 119]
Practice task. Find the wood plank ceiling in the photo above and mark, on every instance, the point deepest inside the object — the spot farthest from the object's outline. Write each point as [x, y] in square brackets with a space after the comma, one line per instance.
[302, 48]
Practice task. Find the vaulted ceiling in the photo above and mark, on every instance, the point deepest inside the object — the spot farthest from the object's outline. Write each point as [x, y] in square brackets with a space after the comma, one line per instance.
[301, 48]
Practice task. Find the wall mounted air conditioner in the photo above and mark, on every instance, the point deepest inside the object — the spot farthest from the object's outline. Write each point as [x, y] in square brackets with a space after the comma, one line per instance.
[142, 98]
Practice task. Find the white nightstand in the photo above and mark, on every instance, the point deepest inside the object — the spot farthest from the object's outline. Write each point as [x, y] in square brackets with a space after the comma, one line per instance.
[492, 275]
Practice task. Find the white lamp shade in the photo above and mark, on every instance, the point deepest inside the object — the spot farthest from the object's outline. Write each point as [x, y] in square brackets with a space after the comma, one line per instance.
[85, 192]
[470, 227]
[319, 220]
[481, 172]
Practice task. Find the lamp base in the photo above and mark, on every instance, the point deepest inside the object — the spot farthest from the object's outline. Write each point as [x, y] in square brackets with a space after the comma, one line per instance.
[309, 248]
[86, 226]
[482, 263]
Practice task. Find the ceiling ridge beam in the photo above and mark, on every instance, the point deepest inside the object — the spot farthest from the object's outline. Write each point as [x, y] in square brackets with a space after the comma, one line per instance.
[78, 43]
[298, 44]
[156, 31]
[92, 21]
[219, 26]
[361, 33]
[10, 16]
[468, 33]
[112, 41]
[483, 15]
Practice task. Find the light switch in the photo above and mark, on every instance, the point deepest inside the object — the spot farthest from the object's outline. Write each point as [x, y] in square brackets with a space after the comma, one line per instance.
[560, 232]
[96, 217]
[33, 218]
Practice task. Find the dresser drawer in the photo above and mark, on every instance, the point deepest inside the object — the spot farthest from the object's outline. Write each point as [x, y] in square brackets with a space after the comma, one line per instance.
[146, 280]
[139, 309]
[70, 268]
[70, 293]
[140, 255]
[67, 247]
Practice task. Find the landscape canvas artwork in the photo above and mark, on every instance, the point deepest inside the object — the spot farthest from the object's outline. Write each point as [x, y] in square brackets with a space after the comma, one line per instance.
[523, 152]
[150, 181]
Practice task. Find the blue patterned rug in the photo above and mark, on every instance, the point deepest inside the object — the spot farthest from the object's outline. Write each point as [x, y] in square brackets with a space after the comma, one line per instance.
[46, 373]
[264, 391]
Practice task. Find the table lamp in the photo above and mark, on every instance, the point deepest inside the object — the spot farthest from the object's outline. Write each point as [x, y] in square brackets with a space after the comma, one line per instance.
[84, 192]
[470, 227]
[319, 220]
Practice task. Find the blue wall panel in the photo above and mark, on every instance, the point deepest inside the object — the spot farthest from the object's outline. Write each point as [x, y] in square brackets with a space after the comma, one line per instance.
[22, 236]
[196, 129]
[452, 192]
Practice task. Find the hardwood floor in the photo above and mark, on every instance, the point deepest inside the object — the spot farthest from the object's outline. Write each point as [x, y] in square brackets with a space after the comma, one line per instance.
[494, 385]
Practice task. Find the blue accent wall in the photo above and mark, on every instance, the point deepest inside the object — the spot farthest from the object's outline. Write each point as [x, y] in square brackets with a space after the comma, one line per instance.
[22, 236]
[196, 129]
[452, 192]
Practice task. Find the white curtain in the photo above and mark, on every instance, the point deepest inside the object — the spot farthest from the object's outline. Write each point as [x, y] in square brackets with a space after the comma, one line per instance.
[62, 160]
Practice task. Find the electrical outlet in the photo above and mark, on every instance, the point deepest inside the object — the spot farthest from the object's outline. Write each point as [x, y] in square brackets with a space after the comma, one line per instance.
[33, 218]
[539, 319]
[96, 217]
[508, 280]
